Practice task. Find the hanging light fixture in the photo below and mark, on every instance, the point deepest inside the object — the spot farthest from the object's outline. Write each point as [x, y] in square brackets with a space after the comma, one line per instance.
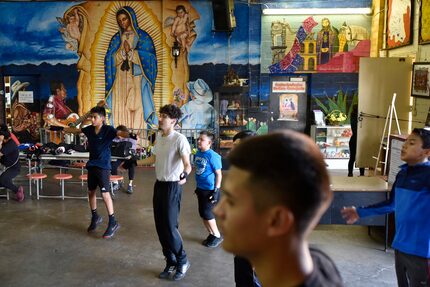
[176, 51]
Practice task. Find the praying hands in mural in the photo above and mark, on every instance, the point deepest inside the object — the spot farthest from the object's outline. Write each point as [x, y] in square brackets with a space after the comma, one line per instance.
[130, 72]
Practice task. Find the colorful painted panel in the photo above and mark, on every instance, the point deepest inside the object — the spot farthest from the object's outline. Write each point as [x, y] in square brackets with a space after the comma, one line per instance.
[399, 23]
[122, 51]
[324, 44]
[424, 37]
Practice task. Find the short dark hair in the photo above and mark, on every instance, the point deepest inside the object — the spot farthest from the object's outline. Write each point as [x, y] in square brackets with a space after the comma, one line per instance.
[5, 133]
[243, 134]
[122, 128]
[56, 85]
[3, 127]
[424, 134]
[181, 7]
[288, 168]
[209, 134]
[98, 110]
[172, 111]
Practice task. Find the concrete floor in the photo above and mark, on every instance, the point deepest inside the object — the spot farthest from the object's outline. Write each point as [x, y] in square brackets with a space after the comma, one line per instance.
[45, 243]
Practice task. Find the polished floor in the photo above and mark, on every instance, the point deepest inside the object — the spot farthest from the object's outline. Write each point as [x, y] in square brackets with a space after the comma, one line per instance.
[44, 243]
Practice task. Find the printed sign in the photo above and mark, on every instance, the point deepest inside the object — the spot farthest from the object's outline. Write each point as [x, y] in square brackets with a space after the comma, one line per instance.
[288, 87]
[25, 97]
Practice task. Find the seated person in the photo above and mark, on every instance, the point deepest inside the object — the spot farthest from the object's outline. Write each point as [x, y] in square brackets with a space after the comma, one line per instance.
[4, 127]
[128, 164]
[9, 158]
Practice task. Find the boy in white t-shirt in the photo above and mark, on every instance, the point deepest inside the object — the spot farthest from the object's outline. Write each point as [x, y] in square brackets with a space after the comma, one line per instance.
[171, 155]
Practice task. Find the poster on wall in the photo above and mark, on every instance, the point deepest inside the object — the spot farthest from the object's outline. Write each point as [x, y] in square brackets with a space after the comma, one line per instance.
[288, 87]
[399, 23]
[288, 106]
[424, 36]
[421, 80]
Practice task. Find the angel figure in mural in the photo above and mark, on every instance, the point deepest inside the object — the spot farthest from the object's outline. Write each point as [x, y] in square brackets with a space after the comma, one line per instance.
[326, 42]
[179, 25]
[181, 28]
[130, 72]
[70, 29]
[198, 113]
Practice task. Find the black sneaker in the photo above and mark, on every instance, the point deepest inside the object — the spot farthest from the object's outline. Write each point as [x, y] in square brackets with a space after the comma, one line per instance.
[209, 238]
[130, 189]
[215, 242]
[168, 271]
[110, 231]
[181, 270]
[94, 223]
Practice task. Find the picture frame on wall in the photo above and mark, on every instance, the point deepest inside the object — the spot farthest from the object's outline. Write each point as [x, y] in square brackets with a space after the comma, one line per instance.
[421, 80]
[424, 23]
[399, 23]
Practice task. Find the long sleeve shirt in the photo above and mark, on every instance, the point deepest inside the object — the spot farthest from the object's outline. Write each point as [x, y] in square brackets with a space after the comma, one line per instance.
[410, 200]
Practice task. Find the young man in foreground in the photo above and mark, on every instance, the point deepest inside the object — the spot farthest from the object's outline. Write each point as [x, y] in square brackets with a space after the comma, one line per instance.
[275, 193]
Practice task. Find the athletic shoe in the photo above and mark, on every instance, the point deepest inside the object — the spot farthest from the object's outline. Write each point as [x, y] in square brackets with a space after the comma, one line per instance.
[209, 238]
[95, 221]
[20, 194]
[168, 271]
[110, 231]
[215, 242]
[115, 186]
[181, 270]
[130, 189]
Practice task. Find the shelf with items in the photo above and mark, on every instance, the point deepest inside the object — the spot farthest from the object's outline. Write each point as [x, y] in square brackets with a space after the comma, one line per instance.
[231, 106]
[333, 141]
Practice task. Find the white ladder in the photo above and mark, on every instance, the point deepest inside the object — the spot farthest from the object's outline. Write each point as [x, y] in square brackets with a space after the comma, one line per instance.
[386, 133]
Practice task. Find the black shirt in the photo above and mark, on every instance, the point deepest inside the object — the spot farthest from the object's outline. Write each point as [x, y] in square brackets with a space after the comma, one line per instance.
[10, 154]
[99, 145]
[325, 272]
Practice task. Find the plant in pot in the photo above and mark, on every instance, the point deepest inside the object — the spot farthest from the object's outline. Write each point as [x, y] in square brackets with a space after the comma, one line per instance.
[337, 110]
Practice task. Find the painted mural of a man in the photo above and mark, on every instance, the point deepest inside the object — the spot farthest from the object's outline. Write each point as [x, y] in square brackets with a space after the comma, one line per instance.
[56, 111]
[326, 42]
[131, 71]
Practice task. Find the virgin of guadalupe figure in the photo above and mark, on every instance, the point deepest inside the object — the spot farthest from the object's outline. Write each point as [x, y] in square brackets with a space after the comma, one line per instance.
[130, 71]
[326, 42]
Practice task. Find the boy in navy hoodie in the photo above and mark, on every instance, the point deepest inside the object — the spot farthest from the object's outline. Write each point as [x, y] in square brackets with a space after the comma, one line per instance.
[410, 200]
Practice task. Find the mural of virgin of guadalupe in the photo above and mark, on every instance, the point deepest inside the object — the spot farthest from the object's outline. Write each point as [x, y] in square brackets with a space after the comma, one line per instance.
[130, 72]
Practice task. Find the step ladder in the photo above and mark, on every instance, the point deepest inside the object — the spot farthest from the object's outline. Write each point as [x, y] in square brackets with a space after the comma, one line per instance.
[386, 134]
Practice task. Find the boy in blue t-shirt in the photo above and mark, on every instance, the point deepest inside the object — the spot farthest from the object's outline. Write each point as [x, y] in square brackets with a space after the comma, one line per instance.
[410, 200]
[208, 182]
[100, 137]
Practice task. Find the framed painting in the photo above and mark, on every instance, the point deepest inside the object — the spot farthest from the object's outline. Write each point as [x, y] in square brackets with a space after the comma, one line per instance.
[399, 23]
[424, 30]
[421, 80]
